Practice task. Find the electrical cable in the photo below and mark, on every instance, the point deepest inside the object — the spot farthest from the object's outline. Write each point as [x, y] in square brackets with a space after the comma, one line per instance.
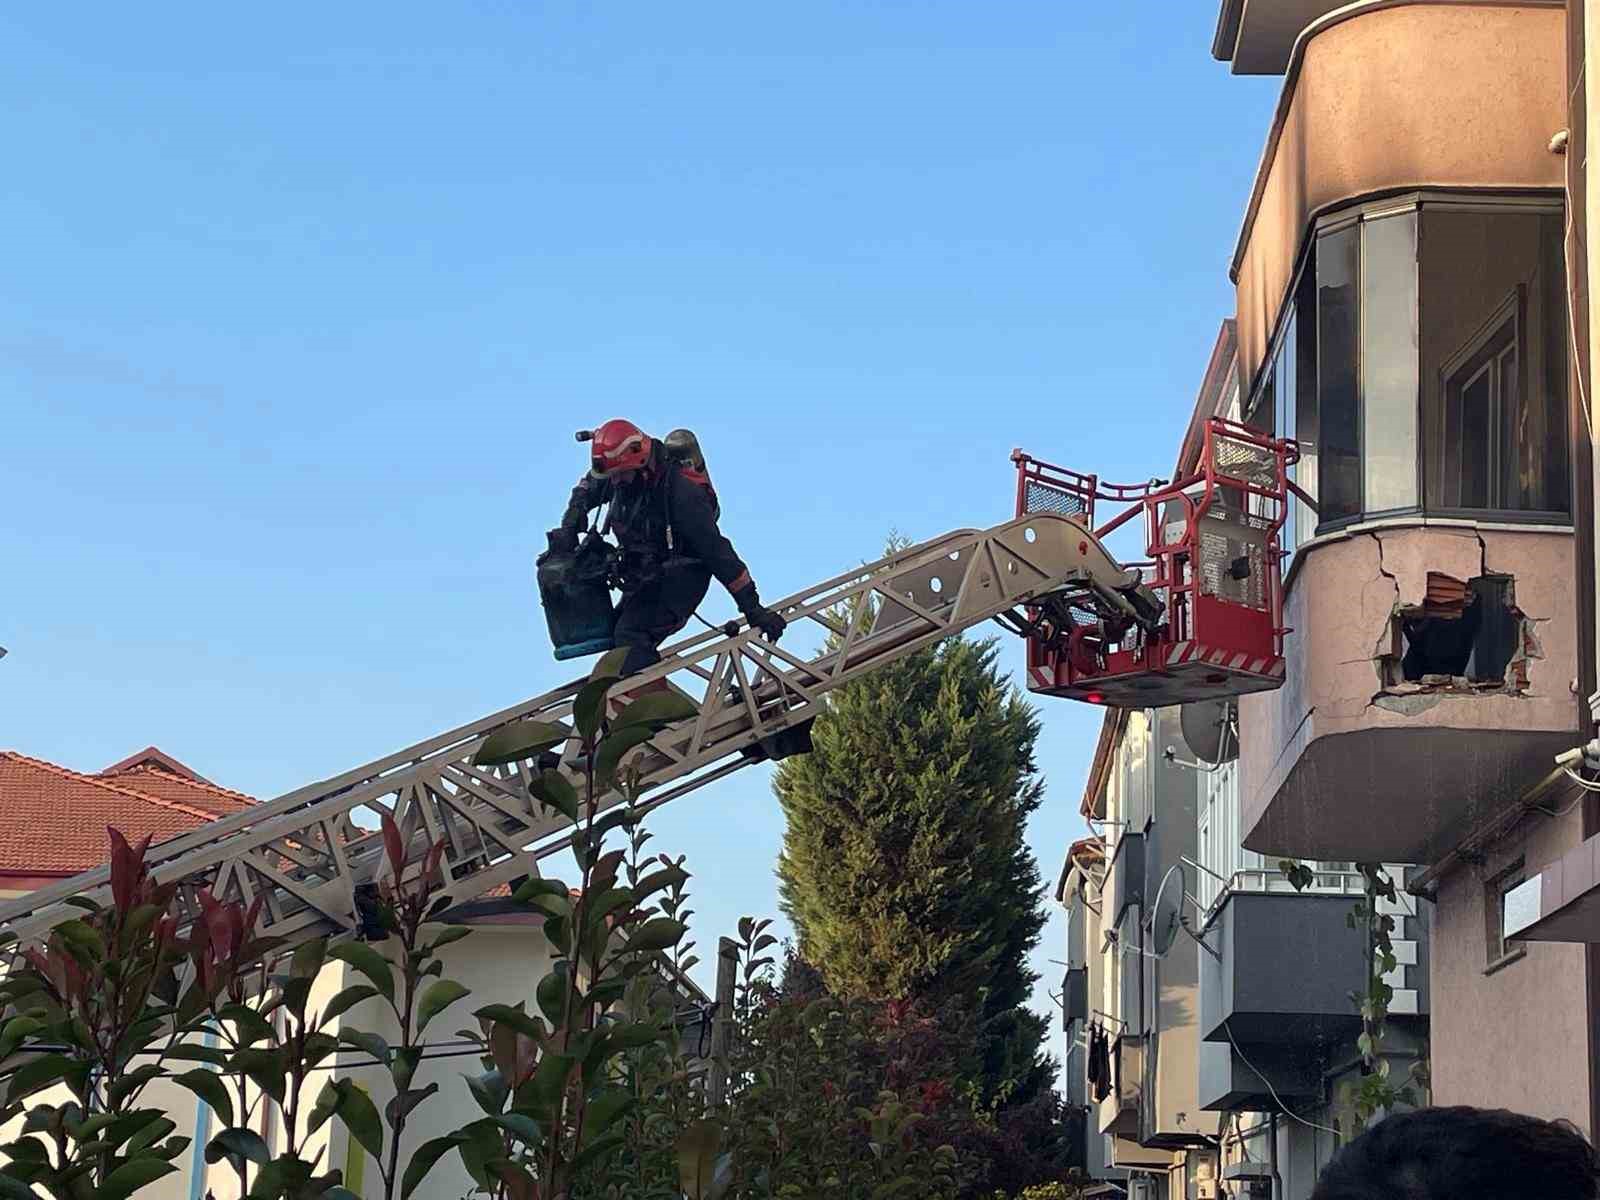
[1587, 784]
[1274, 1091]
[1572, 319]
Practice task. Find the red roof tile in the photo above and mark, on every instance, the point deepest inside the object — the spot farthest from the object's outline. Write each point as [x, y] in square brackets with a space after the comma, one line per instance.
[53, 820]
[153, 781]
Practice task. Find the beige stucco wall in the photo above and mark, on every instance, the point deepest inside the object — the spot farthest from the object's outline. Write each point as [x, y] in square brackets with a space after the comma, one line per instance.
[1444, 95]
[502, 965]
[1340, 599]
[1517, 1038]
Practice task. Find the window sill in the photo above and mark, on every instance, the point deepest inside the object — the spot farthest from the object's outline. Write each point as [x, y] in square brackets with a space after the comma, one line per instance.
[1505, 960]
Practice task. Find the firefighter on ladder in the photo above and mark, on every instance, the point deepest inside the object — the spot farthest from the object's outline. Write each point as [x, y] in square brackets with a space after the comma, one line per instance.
[664, 514]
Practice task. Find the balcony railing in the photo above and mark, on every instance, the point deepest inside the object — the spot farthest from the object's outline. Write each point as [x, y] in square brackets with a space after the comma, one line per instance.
[1257, 880]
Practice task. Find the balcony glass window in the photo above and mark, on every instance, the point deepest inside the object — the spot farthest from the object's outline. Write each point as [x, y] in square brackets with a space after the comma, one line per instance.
[1495, 364]
[1389, 362]
[1338, 270]
[1421, 362]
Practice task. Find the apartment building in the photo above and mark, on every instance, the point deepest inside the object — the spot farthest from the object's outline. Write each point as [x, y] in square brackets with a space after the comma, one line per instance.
[1404, 312]
[1411, 308]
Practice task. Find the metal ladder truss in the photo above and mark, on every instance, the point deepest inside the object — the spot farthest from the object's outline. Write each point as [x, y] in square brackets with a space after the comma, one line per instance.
[307, 850]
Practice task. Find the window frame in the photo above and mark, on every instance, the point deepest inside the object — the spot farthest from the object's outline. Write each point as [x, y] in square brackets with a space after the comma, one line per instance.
[1345, 215]
[1514, 874]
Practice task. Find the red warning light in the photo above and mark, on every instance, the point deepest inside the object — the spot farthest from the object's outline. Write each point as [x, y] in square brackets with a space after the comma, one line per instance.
[1094, 698]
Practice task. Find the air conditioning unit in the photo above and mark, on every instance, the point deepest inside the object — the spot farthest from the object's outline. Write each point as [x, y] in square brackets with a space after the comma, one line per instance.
[1248, 1179]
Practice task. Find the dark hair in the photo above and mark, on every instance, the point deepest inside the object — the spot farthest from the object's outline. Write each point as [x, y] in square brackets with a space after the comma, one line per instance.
[1445, 1153]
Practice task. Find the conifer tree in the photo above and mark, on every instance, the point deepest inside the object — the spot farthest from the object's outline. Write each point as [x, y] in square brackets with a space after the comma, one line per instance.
[904, 870]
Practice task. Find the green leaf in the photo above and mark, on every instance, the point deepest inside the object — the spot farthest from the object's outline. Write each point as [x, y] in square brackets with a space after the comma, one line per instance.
[346, 1000]
[479, 1144]
[406, 1061]
[131, 1176]
[35, 1074]
[12, 1188]
[131, 1124]
[436, 999]
[406, 1099]
[656, 880]
[505, 1014]
[369, 962]
[266, 1069]
[656, 934]
[360, 1117]
[422, 1161]
[607, 822]
[549, 1078]
[615, 746]
[149, 1135]
[606, 903]
[448, 937]
[590, 704]
[17, 1029]
[558, 932]
[605, 1108]
[598, 1148]
[489, 1090]
[520, 1126]
[293, 994]
[215, 1055]
[138, 921]
[607, 992]
[209, 1087]
[82, 935]
[322, 1112]
[131, 1082]
[539, 886]
[633, 1036]
[517, 741]
[308, 958]
[551, 905]
[238, 1145]
[249, 1025]
[552, 993]
[372, 1043]
[284, 1177]
[555, 790]
[610, 663]
[656, 709]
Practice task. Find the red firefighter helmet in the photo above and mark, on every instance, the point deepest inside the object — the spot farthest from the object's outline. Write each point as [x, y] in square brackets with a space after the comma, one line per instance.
[619, 446]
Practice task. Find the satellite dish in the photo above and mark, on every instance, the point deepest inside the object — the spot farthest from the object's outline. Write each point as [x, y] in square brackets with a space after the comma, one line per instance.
[1166, 914]
[1208, 728]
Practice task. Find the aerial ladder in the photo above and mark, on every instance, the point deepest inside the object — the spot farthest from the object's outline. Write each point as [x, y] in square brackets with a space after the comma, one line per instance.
[1202, 618]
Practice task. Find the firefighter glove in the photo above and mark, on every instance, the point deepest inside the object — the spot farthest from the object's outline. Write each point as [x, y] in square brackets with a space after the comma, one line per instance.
[563, 540]
[760, 617]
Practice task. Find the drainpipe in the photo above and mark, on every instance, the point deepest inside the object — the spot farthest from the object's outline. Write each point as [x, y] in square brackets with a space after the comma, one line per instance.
[1277, 1179]
[1580, 383]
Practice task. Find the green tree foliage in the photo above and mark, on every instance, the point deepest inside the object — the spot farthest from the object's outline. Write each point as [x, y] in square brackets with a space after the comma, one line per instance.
[904, 868]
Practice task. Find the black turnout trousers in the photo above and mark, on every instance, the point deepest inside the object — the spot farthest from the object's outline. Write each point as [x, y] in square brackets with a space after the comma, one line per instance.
[655, 612]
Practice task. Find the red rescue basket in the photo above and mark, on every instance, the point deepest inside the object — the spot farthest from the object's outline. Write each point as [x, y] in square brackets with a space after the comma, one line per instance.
[1210, 618]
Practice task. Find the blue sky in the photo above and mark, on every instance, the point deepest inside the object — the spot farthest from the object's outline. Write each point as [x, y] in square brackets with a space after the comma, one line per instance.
[303, 304]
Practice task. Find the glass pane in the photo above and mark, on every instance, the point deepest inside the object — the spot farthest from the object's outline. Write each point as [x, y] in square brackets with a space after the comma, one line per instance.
[1338, 310]
[1287, 410]
[1305, 369]
[1494, 361]
[1467, 428]
[1389, 361]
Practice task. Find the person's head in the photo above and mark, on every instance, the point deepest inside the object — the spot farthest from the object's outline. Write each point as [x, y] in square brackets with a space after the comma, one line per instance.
[1451, 1153]
[619, 450]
